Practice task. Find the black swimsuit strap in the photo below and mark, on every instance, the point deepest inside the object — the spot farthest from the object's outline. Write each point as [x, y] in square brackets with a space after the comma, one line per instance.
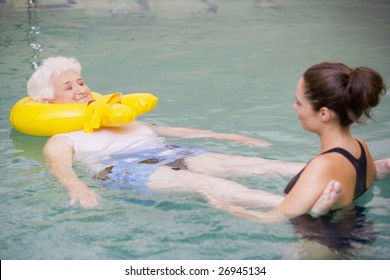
[349, 156]
[359, 164]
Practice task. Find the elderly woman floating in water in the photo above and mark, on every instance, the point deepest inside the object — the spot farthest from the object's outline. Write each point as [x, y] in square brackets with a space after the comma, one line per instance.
[136, 154]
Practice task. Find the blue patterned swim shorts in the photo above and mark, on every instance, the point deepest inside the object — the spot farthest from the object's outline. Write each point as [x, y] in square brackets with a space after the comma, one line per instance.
[138, 171]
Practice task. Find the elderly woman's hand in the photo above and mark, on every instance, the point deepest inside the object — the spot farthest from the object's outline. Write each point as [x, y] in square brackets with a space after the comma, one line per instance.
[83, 195]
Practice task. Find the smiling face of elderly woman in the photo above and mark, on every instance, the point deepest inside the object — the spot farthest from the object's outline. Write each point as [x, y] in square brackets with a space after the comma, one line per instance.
[69, 87]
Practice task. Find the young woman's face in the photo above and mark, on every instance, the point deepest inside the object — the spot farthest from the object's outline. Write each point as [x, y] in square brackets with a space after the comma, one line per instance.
[69, 87]
[307, 116]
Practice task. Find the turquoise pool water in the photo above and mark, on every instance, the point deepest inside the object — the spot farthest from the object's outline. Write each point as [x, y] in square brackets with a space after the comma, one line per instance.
[229, 66]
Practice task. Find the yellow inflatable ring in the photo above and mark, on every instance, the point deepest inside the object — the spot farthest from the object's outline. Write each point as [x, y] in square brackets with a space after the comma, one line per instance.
[41, 119]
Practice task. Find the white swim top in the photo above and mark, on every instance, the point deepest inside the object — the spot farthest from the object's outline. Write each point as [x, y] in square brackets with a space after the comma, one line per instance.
[95, 148]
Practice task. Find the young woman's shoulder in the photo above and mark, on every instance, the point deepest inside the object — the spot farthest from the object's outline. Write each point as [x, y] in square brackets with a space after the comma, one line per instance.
[322, 161]
[331, 165]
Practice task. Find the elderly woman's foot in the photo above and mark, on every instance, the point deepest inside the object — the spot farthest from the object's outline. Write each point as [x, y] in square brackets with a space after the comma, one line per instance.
[327, 199]
[382, 168]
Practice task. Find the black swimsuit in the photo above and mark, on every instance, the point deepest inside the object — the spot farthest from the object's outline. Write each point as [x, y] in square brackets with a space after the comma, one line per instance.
[342, 228]
[360, 165]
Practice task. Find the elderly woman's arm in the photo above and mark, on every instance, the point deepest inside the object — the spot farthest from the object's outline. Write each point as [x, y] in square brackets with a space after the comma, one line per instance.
[186, 132]
[58, 152]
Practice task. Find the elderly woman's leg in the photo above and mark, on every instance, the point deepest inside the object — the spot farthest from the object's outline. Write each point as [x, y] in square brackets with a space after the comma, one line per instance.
[167, 179]
[223, 165]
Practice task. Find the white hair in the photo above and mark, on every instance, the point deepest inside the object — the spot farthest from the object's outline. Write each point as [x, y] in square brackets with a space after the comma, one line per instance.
[39, 86]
